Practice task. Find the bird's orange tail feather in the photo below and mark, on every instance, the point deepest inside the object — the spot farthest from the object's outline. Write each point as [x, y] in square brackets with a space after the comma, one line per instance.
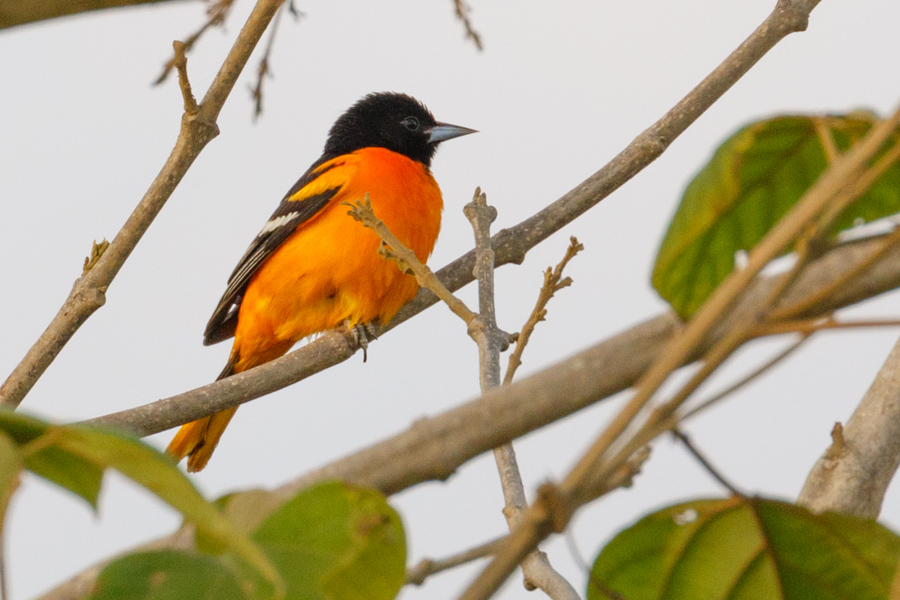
[199, 438]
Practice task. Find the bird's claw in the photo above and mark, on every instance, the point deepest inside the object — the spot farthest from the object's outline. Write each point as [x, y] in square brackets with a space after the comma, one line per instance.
[362, 333]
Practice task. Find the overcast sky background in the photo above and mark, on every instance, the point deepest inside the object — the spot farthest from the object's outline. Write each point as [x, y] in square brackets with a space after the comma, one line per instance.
[559, 89]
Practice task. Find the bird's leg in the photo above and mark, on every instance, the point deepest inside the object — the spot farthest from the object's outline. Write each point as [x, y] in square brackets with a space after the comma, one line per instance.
[362, 333]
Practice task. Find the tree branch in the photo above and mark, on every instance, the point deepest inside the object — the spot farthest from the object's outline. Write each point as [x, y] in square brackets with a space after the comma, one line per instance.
[428, 567]
[854, 472]
[462, 10]
[216, 13]
[393, 249]
[21, 12]
[491, 341]
[89, 291]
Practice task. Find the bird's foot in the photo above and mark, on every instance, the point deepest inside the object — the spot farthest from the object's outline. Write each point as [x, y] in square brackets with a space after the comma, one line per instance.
[362, 333]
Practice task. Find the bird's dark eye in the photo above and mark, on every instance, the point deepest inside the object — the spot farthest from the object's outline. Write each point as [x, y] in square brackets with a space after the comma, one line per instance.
[410, 123]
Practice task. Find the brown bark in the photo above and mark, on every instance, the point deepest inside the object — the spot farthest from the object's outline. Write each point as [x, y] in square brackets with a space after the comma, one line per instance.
[22, 12]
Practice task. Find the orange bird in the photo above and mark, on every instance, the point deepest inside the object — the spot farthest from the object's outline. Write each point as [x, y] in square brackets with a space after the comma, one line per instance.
[312, 267]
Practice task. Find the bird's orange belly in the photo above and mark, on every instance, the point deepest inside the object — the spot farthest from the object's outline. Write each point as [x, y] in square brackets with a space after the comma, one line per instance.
[329, 272]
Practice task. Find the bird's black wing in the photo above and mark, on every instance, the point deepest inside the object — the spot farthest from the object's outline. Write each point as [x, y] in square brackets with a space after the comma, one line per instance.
[295, 209]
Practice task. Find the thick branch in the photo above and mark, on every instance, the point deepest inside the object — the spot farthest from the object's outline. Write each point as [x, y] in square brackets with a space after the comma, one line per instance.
[853, 474]
[89, 291]
[21, 12]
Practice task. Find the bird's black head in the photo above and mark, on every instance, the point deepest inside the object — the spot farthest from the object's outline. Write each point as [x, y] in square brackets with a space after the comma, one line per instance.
[394, 121]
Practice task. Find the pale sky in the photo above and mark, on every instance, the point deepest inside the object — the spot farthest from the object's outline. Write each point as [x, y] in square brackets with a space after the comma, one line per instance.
[558, 91]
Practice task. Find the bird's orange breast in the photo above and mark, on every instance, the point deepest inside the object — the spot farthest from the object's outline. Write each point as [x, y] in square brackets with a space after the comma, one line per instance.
[329, 270]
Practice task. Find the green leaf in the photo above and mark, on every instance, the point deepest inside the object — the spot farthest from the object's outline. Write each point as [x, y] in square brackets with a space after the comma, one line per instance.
[159, 474]
[72, 472]
[245, 510]
[336, 542]
[11, 467]
[166, 575]
[248, 509]
[65, 469]
[747, 549]
[52, 447]
[752, 180]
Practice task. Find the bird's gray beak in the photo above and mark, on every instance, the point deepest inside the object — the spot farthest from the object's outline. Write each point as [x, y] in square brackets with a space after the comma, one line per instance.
[444, 131]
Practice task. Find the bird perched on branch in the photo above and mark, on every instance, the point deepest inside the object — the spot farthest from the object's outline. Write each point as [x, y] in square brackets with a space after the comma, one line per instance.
[312, 267]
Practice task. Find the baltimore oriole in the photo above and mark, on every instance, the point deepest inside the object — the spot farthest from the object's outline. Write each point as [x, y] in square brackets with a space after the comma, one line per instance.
[312, 267]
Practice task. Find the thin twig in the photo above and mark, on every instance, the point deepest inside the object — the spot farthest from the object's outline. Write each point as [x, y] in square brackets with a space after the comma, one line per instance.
[462, 11]
[263, 70]
[190, 103]
[737, 385]
[704, 462]
[810, 326]
[798, 309]
[215, 17]
[483, 329]
[553, 282]
[862, 183]
[823, 131]
[428, 567]
[393, 249]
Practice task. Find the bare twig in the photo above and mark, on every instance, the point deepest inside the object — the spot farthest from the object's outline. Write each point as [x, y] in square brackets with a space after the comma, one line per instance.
[754, 374]
[822, 126]
[704, 462]
[810, 326]
[89, 291]
[20, 13]
[428, 567]
[462, 11]
[799, 309]
[263, 70]
[853, 474]
[553, 282]
[483, 329]
[393, 249]
[215, 17]
[180, 61]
